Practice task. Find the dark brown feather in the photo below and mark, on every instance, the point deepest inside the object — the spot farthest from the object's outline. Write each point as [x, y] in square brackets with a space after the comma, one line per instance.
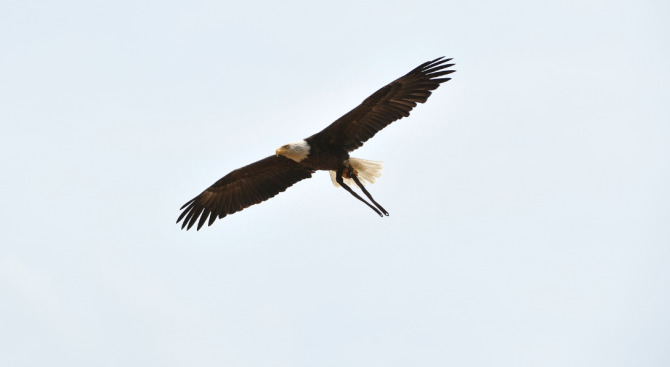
[243, 188]
[385, 106]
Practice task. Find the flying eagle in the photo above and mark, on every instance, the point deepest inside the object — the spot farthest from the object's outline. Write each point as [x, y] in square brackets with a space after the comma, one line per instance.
[327, 150]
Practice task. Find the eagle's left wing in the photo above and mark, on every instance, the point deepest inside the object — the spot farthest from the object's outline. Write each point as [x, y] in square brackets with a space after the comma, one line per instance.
[243, 188]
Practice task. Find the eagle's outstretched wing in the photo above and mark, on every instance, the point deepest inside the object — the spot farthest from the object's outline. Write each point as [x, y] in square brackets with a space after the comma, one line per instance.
[243, 188]
[386, 105]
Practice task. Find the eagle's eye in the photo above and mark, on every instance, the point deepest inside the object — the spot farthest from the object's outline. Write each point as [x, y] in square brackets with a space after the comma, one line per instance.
[286, 146]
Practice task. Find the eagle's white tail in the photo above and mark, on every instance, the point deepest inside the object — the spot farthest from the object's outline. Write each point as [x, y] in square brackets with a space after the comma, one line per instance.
[368, 172]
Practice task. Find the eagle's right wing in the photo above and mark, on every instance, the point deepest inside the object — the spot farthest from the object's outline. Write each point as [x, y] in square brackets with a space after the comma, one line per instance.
[386, 105]
[243, 188]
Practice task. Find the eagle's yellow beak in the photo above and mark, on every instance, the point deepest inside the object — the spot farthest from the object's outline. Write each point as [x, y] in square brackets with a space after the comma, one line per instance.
[280, 150]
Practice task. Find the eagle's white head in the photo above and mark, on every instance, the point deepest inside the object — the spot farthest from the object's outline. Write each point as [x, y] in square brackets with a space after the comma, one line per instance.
[298, 150]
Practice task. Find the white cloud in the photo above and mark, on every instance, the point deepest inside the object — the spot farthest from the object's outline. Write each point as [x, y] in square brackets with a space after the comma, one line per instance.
[269, 318]
[37, 290]
[147, 293]
[32, 285]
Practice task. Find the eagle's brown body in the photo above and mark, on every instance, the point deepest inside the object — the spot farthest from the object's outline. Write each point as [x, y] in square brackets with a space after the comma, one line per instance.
[324, 157]
[327, 150]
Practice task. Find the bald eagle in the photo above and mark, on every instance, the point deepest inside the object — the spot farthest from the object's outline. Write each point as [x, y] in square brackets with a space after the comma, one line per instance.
[327, 150]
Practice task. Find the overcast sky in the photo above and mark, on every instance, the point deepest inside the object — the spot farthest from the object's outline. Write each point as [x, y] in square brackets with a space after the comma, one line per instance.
[529, 200]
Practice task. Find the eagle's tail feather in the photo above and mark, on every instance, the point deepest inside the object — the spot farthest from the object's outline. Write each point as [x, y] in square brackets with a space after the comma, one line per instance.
[367, 171]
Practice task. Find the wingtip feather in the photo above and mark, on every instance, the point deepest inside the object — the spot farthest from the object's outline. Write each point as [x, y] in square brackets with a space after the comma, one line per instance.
[190, 201]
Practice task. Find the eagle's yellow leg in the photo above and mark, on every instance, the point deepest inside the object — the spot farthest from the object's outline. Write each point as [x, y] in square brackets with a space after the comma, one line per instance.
[347, 172]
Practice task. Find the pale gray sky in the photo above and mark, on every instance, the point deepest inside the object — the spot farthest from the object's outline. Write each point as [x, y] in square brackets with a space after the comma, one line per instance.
[529, 197]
